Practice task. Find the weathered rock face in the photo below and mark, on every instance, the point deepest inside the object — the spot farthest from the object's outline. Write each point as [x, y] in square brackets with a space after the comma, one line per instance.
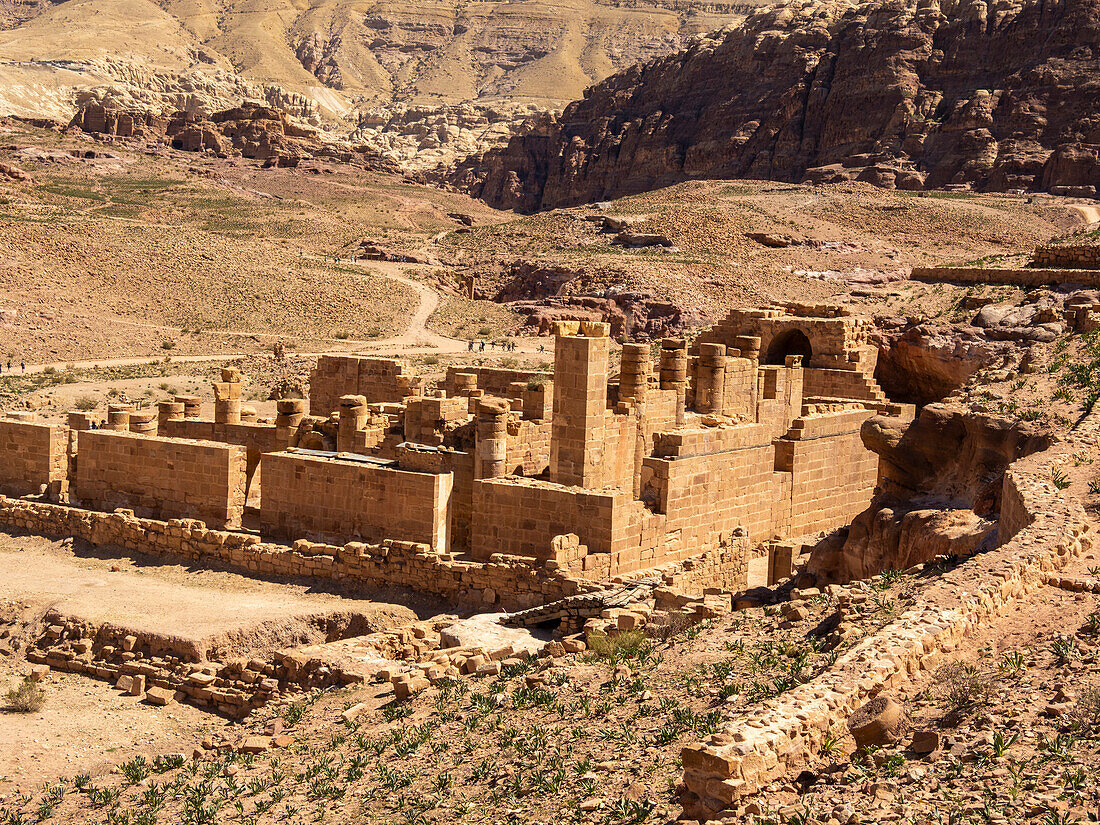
[939, 491]
[920, 364]
[910, 94]
[251, 130]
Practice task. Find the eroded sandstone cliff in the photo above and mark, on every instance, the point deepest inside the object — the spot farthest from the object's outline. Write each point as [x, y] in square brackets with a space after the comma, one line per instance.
[911, 94]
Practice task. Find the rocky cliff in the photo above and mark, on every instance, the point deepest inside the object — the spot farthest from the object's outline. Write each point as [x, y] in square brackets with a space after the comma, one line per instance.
[911, 94]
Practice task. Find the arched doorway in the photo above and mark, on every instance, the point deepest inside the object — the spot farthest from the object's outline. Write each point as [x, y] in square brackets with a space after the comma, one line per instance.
[791, 342]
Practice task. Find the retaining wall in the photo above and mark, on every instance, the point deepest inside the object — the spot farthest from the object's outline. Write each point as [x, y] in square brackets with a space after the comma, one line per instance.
[1020, 277]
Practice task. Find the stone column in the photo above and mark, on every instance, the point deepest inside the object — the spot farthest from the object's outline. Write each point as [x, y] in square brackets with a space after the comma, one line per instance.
[170, 411]
[290, 412]
[580, 405]
[118, 417]
[634, 375]
[491, 451]
[634, 386]
[227, 397]
[673, 369]
[353, 418]
[143, 422]
[710, 378]
[192, 405]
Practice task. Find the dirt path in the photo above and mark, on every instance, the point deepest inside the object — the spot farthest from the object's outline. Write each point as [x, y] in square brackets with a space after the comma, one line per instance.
[416, 338]
[1091, 214]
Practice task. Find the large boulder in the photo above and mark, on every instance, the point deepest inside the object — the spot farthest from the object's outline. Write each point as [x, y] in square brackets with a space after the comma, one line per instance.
[880, 722]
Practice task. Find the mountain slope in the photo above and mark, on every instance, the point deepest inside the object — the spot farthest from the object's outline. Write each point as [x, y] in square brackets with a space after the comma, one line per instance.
[343, 55]
[909, 94]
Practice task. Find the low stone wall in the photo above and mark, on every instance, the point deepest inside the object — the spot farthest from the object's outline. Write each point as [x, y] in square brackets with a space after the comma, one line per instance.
[502, 582]
[1045, 530]
[1020, 277]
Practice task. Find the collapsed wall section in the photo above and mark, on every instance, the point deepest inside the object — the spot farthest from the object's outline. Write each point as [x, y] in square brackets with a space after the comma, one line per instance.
[32, 455]
[160, 477]
[338, 499]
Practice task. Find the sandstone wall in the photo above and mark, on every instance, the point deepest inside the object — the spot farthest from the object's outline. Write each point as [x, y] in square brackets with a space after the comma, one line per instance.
[160, 477]
[1019, 277]
[494, 380]
[379, 380]
[338, 499]
[518, 516]
[828, 383]
[31, 455]
[833, 474]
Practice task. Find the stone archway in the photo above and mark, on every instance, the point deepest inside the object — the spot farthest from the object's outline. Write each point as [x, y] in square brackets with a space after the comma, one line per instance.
[790, 342]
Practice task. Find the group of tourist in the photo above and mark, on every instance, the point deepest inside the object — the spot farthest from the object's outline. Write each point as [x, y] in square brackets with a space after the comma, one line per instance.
[479, 346]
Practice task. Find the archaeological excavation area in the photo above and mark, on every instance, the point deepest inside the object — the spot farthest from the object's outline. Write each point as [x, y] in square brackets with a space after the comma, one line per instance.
[696, 560]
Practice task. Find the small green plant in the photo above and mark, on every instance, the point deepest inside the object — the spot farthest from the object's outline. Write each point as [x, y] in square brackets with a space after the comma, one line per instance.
[1064, 648]
[1059, 478]
[27, 698]
[963, 686]
[1001, 743]
[1013, 663]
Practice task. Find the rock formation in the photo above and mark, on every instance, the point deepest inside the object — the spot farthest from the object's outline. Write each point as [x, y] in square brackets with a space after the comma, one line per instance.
[911, 94]
[251, 130]
[938, 493]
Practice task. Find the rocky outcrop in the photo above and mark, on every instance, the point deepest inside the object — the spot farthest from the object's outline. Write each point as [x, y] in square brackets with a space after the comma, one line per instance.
[250, 130]
[922, 363]
[940, 484]
[909, 93]
[541, 292]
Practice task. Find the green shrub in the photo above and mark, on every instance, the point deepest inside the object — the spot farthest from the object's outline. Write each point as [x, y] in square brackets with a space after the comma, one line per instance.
[631, 644]
[86, 403]
[27, 698]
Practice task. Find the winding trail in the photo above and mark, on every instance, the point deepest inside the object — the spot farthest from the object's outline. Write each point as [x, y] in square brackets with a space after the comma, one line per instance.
[415, 339]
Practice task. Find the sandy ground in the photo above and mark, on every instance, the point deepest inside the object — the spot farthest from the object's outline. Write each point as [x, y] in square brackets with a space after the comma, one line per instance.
[152, 599]
[86, 726]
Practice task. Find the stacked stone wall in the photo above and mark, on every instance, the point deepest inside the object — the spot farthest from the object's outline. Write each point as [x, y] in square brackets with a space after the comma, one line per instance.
[32, 456]
[1081, 256]
[505, 582]
[338, 499]
[529, 448]
[825, 383]
[833, 475]
[160, 477]
[519, 516]
[1019, 277]
[493, 380]
[379, 380]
